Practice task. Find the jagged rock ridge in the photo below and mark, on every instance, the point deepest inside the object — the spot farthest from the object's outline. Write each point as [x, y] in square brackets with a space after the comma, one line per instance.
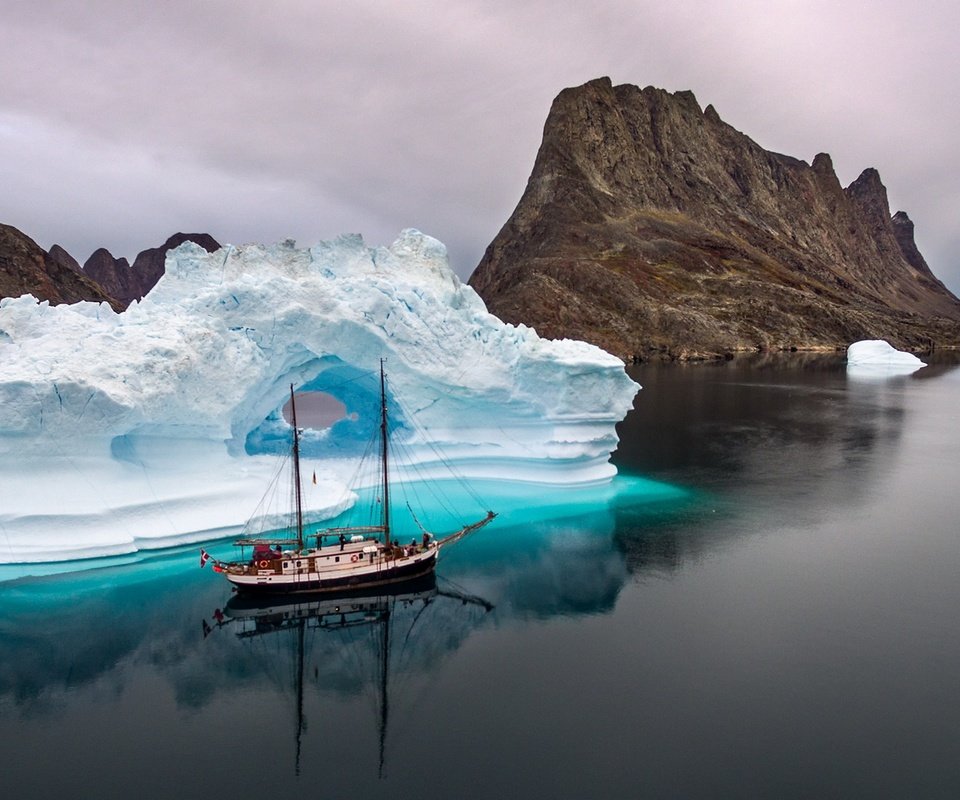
[650, 225]
[54, 276]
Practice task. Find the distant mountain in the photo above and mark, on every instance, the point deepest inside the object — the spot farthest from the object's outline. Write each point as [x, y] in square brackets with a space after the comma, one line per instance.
[26, 269]
[651, 227]
[113, 274]
[56, 276]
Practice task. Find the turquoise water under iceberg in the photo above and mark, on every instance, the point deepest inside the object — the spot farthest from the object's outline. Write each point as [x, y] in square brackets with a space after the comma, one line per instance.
[526, 513]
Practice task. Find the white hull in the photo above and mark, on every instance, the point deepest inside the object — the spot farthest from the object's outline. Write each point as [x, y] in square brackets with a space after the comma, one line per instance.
[355, 565]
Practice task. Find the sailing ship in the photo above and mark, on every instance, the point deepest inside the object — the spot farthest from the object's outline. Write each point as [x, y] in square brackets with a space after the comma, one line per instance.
[357, 557]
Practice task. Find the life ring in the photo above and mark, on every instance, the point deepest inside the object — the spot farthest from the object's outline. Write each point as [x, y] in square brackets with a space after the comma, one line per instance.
[263, 564]
[354, 557]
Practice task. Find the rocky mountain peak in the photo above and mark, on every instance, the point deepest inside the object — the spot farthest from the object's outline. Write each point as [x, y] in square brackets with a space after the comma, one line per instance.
[903, 230]
[869, 193]
[647, 224]
[62, 257]
[113, 274]
[822, 167]
[823, 164]
[102, 257]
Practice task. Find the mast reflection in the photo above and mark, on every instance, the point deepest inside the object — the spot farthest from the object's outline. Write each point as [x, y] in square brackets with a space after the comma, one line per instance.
[383, 627]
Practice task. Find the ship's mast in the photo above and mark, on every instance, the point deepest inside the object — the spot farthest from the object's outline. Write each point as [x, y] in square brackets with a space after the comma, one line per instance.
[384, 682]
[296, 470]
[301, 626]
[385, 511]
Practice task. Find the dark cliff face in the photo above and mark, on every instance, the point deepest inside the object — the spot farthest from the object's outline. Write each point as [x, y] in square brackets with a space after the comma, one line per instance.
[648, 225]
[26, 269]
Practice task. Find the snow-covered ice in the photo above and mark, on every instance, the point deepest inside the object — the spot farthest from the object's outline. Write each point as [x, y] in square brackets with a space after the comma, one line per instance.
[877, 358]
[154, 427]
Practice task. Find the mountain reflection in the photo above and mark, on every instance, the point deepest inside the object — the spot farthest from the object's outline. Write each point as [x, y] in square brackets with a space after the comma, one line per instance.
[760, 434]
[765, 429]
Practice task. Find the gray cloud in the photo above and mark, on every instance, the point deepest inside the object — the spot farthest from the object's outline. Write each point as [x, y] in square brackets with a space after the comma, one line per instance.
[122, 122]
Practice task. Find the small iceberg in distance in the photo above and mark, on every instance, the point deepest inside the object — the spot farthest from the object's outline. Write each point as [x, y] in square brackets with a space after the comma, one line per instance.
[876, 358]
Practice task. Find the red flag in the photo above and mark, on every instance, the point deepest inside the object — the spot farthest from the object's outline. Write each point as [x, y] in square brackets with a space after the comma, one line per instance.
[204, 558]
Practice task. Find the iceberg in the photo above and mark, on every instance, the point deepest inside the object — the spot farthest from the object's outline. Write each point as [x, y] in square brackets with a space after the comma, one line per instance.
[874, 358]
[160, 426]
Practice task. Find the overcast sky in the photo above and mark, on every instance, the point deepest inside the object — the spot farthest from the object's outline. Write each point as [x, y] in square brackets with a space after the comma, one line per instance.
[124, 122]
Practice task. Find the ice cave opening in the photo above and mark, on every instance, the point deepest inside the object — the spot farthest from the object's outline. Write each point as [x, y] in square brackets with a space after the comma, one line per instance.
[338, 411]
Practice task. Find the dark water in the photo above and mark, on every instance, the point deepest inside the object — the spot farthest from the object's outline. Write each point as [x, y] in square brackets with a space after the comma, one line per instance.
[775, 615]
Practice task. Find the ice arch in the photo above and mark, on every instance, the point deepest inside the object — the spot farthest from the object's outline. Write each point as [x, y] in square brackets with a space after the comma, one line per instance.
[148, 428]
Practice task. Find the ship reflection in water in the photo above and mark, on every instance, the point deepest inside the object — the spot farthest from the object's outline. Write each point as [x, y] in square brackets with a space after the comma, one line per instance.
[378, 632]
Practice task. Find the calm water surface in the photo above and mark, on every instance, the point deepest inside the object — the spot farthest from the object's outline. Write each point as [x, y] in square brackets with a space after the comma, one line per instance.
[764, 604]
